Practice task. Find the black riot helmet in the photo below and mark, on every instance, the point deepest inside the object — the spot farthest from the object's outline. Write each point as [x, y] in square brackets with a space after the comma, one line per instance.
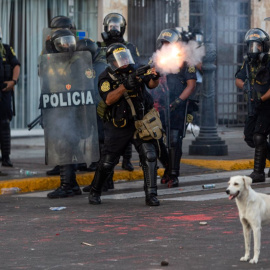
[114, 26]
[168, 36]
[62, 22]
[63, 40]
[258, 43]
[118, 57]
[87, 44]
[197, 35]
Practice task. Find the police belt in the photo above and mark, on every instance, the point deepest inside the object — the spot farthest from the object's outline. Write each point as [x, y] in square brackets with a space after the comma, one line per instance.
[66, 99]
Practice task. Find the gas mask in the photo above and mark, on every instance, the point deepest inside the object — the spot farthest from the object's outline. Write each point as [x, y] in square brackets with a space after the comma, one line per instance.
[113, 33]
[255, 52]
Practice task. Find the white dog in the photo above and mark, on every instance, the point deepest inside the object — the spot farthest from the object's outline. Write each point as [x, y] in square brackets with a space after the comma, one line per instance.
[254, 211]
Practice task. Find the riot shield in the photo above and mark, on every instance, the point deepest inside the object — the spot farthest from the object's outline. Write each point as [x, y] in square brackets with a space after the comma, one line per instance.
[68, 108]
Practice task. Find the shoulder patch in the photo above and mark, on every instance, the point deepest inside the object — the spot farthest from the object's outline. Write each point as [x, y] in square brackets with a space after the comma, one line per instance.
[105, 86]
[191, 69]
[12, 51]
[137, 51]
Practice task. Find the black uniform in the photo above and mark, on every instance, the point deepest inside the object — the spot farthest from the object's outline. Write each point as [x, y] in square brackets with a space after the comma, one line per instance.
[101, 58]
[119, 132]
[175, 84]
[257, 126]
[7, 63]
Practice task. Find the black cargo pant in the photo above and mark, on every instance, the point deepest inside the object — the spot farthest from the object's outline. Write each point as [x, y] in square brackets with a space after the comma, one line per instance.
[115, 143]
[256, 130]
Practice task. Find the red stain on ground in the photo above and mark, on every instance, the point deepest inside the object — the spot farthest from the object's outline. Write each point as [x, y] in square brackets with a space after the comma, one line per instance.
[200, 217]
[229, 232]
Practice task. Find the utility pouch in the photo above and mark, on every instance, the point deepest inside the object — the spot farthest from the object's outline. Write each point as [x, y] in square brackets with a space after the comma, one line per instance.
[150, 127]
[102, 110]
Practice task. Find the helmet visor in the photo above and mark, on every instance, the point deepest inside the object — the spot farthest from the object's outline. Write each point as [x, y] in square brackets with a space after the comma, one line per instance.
[254, 47]
[65, 44]
[120, 57]
[114, 20]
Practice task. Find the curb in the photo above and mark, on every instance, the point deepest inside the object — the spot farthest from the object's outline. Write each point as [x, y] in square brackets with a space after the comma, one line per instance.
[33, 184]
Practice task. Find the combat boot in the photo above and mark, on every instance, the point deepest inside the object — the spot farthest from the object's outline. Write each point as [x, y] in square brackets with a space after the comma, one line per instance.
[257, 177]
[151, 200]
[65, 189]
[75, 186]
[165, 178]
[127, 165]
[173, 182]
[87, 188]
[6, 162]
[94, 197]
[5, 142]
[61, 192]
[259, 159]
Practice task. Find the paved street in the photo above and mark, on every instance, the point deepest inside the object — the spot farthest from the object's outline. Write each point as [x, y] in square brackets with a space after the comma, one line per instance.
[193, 228]
[123, 233]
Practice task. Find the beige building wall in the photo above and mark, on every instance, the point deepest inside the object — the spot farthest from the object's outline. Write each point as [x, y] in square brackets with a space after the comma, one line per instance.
[108, 6]
[184, 14]
[259, 11]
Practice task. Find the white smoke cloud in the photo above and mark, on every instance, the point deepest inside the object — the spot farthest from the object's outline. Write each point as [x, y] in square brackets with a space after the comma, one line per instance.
[171, 56]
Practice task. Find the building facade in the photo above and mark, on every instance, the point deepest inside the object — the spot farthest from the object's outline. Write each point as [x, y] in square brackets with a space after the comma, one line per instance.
[22, 23]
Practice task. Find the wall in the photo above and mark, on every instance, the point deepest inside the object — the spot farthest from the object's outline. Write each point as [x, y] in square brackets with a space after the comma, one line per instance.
[260, 9]
[184, 14]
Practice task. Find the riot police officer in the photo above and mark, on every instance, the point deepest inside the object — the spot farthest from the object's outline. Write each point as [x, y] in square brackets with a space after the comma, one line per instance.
[9, 76]
[255, 74]
[62, 41]
[116, 85]
[56, 23]
[114, 29]
[173, 108]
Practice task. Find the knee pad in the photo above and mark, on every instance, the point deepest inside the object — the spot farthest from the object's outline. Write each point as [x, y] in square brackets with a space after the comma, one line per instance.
[250, 143]
[108, 162]
[259, 139]
[148, 152]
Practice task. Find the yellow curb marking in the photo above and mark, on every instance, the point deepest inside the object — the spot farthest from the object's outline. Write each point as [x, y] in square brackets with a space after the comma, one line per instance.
[227, 165]
[84, 179]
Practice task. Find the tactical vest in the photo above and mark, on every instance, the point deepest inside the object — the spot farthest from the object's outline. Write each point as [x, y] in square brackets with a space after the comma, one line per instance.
[260, 78]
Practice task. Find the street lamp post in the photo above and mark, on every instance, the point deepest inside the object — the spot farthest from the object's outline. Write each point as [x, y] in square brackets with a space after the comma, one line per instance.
[208, 143]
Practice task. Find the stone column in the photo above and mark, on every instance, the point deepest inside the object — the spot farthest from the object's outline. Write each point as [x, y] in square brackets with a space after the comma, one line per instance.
[208, 143]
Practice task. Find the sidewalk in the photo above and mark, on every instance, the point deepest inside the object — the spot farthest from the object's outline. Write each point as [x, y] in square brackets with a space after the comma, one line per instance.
[28, 153]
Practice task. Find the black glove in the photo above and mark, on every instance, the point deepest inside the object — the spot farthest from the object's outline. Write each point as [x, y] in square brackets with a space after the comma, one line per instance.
[155, 77]
[257, 103]
[130, 82]
[176, 104]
